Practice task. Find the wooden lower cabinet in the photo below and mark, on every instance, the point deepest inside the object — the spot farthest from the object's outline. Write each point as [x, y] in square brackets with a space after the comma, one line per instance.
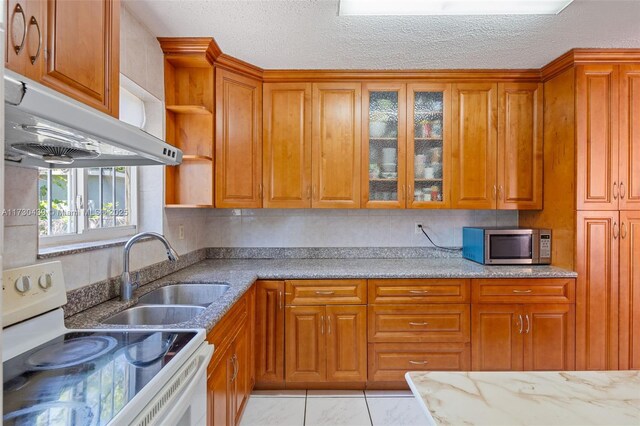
[269, 334]
[325, 343]
[388, 362]
[346, 343]
[597, 290]
[230, 375]
[532, 337]
[630, 290]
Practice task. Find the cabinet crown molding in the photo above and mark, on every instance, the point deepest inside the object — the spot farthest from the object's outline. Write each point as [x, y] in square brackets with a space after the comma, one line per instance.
[191, 45]
[593, 56]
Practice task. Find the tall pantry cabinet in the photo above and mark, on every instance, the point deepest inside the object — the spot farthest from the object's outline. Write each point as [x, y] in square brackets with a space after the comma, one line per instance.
[592, 202]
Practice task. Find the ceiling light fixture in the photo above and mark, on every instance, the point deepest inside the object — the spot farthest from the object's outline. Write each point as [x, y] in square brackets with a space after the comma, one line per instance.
[452, 7]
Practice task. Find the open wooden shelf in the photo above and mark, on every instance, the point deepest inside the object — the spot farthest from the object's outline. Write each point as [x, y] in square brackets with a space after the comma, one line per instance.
[189, 109]
[189, 86]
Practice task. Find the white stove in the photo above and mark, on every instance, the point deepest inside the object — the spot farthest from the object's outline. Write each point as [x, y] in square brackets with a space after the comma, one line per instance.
[56, 376]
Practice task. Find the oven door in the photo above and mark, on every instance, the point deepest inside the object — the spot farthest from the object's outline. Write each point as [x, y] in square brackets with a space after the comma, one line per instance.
[511, 247]
[183, 400]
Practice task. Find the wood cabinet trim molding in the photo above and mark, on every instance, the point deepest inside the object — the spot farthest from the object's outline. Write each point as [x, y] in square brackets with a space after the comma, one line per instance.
[239, 66]
[629, 296]
[629, 136]
[522, 290]
[578, 56]
[403, 76]
[191, 45]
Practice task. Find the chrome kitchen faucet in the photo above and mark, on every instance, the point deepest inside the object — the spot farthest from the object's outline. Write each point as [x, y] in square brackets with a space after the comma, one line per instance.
[127, 286]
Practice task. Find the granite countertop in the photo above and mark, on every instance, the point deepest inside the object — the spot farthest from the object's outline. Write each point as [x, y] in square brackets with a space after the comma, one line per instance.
[529, 398]
[240, 274]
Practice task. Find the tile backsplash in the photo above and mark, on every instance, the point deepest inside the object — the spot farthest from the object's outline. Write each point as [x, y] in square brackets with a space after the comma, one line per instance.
[344, 228]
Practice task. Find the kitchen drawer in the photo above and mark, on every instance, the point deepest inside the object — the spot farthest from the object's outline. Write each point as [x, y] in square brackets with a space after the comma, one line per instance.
[390, 361]
[529, 290]
[419, 323]
[418, 291]
[326, 292]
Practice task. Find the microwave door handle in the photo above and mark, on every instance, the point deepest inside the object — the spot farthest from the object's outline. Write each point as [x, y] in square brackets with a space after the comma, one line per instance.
[535, 246]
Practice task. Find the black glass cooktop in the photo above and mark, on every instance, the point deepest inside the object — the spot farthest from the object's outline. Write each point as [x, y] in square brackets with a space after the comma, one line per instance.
[84, 378]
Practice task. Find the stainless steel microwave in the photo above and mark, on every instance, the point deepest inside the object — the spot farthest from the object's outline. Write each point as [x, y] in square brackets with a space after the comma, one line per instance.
[507, 246]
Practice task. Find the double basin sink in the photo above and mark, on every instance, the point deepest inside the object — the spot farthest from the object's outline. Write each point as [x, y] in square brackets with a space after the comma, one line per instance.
[171, 304]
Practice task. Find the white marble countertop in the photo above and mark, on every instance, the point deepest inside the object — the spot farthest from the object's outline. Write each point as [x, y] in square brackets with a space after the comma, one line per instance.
[529, 398]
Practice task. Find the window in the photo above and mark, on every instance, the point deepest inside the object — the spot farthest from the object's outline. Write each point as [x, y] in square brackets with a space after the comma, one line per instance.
[90, 204]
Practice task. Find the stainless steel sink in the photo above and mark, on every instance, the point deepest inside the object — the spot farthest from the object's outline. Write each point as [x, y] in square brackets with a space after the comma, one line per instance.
[155, 315]
[185, 294]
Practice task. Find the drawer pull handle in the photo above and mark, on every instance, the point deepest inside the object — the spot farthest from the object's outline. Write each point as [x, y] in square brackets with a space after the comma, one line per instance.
[522, 291]
[419, 362]
[325, 293]
[418, 323]
[418, 291]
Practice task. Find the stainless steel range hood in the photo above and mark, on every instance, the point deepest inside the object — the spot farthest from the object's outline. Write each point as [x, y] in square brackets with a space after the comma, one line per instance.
[46, 129]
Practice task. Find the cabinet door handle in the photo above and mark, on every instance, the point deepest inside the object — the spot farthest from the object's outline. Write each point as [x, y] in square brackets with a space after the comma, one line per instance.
[500, 192]
[409, 199]
[418, 323]
[522, 291]
[418, 291]
[309, 192]
[615, 230]
[328, 324]
[401, 193]
[622, 191]
[418, 362]
[280, 299]
[234, 359]
[322, 324]
[314, 192]
[623, 230]
[33, 58]
[324, 293]
[495, 192]
[615, 190]
[520, 322]
[18, 11]
[528, 323]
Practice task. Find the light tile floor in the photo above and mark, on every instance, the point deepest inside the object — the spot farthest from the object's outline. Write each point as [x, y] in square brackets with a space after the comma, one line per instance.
[332, 408]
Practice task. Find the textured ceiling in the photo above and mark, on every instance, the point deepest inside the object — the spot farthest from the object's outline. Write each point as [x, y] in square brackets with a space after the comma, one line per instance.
[308, 34]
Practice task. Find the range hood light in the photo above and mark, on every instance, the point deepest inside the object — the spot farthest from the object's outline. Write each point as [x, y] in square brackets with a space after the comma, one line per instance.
[452, 7]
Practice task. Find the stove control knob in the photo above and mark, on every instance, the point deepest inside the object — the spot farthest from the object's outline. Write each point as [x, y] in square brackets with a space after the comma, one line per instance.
[23, 284]
[45, 281]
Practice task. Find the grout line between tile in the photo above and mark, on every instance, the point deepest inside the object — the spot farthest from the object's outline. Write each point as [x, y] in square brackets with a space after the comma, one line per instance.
[304, 418]
[366, 401]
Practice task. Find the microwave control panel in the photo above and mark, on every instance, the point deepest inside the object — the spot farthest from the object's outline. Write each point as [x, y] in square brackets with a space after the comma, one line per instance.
[545, 246]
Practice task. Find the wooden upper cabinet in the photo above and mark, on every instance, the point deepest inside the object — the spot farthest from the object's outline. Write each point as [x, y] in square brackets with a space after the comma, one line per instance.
[287, 145]
[597, 290]
[520, 146]
[629, 290]
[346, 328]
[81, 51]
[383, 145]
[336, 145]
[428, 145]
[238, 141]
[25, 23]
[269, 335]
[496, 338]
[474, 142]
[597, 137]
[629, 173]
[549, 337]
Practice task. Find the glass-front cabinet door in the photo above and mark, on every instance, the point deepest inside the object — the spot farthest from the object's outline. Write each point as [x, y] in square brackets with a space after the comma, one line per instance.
[428, 145]
[384, 145]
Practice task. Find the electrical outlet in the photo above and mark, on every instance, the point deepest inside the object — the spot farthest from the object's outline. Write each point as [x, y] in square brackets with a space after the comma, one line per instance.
[181, 232]
[418, 228]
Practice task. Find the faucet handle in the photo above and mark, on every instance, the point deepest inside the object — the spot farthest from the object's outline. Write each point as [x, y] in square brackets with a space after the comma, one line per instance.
[135, 282]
